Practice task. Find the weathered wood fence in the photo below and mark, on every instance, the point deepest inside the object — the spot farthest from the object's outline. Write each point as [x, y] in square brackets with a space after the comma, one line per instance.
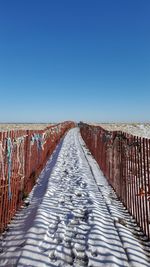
[125, 161]
[23, 154]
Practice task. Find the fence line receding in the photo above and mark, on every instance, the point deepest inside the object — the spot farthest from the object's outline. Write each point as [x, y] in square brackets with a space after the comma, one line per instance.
[125, 161]
[23, 154]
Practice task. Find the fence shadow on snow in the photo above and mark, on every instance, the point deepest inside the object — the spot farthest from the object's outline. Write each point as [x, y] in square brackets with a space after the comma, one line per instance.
[125, 161]
[23, 154]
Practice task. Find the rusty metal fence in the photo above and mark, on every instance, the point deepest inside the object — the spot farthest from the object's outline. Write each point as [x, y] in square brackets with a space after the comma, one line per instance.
[23, 154]
[125, 161]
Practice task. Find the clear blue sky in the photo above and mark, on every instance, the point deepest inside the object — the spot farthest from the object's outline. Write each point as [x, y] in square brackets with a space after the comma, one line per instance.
[74, 59]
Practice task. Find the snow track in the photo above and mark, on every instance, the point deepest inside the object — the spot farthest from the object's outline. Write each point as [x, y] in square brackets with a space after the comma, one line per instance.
[73, 218]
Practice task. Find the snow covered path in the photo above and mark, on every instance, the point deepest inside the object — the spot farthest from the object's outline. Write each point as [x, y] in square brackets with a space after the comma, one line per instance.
[73, 218]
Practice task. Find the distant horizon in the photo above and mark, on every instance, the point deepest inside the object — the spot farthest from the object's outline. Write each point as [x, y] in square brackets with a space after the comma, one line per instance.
[88, 122]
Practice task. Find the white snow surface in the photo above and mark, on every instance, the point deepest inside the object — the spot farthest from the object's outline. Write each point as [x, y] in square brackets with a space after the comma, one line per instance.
[137, 129]
[73, 218]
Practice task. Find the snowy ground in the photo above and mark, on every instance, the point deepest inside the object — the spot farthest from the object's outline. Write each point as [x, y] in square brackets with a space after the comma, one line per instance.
[138, 129]
[23, 126]
[73, 218]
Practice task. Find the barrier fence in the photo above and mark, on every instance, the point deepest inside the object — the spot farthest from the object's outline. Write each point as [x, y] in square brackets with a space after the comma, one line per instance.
[23, 154]
[125, 161]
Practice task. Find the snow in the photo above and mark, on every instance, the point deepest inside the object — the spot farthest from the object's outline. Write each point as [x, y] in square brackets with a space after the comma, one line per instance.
[24, 126]
[137, 129]
[73, 218]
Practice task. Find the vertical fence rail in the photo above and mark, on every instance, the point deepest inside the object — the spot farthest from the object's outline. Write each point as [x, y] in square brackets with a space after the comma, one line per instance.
[125, 161]
[23, 154]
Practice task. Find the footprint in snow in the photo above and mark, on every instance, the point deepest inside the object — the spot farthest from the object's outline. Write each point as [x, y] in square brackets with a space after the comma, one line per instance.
[83, 185]
[52, 256]
[64, 252]
[61, 201]
[81, 260]
[94, 253]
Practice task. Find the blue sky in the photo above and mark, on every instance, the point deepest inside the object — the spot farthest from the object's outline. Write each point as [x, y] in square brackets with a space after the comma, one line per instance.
[74, 60]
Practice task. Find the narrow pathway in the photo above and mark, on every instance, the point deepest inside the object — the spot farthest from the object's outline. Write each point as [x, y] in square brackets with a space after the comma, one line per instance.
[77, 221]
